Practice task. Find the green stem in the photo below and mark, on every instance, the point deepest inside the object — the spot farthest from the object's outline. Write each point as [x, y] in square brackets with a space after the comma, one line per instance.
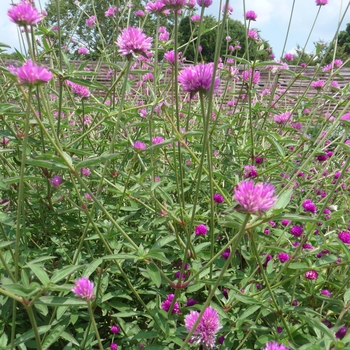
[34, 326]
[92, 319]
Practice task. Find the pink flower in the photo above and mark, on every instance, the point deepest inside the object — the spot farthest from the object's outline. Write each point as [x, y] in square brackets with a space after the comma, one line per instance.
[201, 229]
[229, 9]
[111, 12]
[170, 56]
[318, 85]
[133, 41]
[251, 16]
[84, 288]
[85, 171]
[309, 206]
[167, 303]
[283, 257]
[56, 181]
[198, 78]
[252, 34]
[344, 237]
[288, 56]
[139, 13]
[138, 145]
[311, 275]
[156, 7]
[174, 4]
[247, 76]
[218, 198]
[283, 118]
[24, 14]
[274, 346]
[80, 90]
[250, 171]
[296, 231]
[91, 21]
[326, 292]
[321, 2]
[196, 18]
[83, 50]
[30, 74]
[157, 139]
[205, 3]
[206, 330]
[255, 198]
[113, 346]
[115, 329]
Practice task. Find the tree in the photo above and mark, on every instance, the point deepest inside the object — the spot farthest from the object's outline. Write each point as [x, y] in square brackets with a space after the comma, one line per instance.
[233, 29]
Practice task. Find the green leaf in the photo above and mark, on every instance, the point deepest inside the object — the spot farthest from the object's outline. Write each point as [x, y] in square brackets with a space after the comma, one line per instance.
[53, 336]
[60, 301]
[30, 335]
[40, 273]
[315, 323]
[146, 335]
[284, 199]
[297, 266]
[154, 274]
[5, 244]
[246, 314]
[157, 256]
[97, 160]
[347, 296]
[64, 272]
[69, 338]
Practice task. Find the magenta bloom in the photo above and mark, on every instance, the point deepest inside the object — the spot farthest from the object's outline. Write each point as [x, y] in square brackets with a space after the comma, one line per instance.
[80, 90]
[218, 198]
[341, 333]
[156, 7]
[283, 118]
[250, 171]
[207, 327]
[56, 181]
[344, 237]
[111, 12]
[311, 275]
[174, 4]
[139, 13]
[255, 198]
[274, 346]
[196, 18]
[251, 16]
[198, 78]
[252, 34]
[250, 76]
[201, 230]
[226, 253]
[296, 231]
[326, 292]
[283, 257]
[83, 50]
[170, 56]
[133, 41]
[157, 139]
[24, 14]
[85, 171]
[113, 346]
[205, 3]
[309, 206]
[31, 74]
[115, 329]
[321, 2]
[288, 56]
[138, 145]
[91, 22]
[318, 85]
[167, 303]
[84, 288]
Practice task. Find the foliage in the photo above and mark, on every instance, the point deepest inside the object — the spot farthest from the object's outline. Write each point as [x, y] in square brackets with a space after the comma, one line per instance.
[132, 183]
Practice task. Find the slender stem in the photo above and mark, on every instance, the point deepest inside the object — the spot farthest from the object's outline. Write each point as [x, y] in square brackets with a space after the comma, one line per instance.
[34, 326]
[289, 24]
[92, 319]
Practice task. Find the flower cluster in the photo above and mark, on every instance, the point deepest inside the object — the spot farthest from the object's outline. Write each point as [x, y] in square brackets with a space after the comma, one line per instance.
[132, 41]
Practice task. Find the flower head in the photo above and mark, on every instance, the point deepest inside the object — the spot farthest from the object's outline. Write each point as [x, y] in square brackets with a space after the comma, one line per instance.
[296, 230]
[283, 118]
[207, 327]
[111, 12]
[344, 237]
[283, 257]
[133, 41]
[79, 90]
[31, 74]
[274, 346]
[321, 2]
[24, 14]
[218, 198]
[311, 275]
[113, 346]
[198, 78]
[288, 56]
[318, 85]
[167, 303]
[56, 181]
[309, 206]
[138, 145]
[91, 22]
[248, 76]
[84, 288]
[201, 229]
[157, 139]
[205, 3]
[156, 7]
[252, 34]
[169, 56]
[83, 50]
[174, 4]
[251, 16]
[326, 292]
[255, 198]
[115, 329]
[341, 332]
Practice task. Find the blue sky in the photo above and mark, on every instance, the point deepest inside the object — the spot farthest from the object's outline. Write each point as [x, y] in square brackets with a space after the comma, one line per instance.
[272, 21]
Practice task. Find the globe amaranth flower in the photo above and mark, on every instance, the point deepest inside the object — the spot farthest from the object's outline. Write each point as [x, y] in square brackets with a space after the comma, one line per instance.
[133, 41]
[341, 332]
[248, 76]
[157, 139]
[83, 51]
[296, 230]
[169, 56]
[91, 22]
[24, 14]
[318, 85]
[250, 171]
[84, 288]
[167, 303]
[174, 4]
[154, 7]
[288, 56]
[218, 198]
[321, 2]
[30, 74]
[201, 229]
[344, 237]
[205, 331]
[274, 346]
[226, 253]
[79, 90]
[251, 16]
[115, 329]
[255, 198]
[283, 257]
[326, 292]
[111, 12]
[198, 78]
[113, 346]
[138, 145]
[56, 181]
[252, 34]
[309, 206]
[191, 302]
[283, 118]
[311, 275]
[205, 3]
